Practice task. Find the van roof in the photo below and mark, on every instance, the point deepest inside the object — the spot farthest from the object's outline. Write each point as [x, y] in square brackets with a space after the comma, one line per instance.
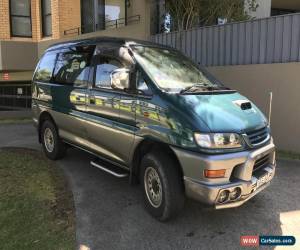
[97, 40]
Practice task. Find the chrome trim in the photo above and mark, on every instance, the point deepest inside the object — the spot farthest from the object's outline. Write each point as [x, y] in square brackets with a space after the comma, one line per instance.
[246, 138]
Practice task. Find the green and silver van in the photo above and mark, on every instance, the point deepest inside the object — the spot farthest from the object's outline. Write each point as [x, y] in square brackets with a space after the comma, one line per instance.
[147, 112]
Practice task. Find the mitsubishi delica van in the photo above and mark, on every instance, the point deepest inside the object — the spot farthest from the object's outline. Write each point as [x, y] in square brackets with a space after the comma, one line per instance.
[148, 113]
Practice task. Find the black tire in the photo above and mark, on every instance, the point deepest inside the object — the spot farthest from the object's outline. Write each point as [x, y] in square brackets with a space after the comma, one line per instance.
[171, 183]
[59, 148]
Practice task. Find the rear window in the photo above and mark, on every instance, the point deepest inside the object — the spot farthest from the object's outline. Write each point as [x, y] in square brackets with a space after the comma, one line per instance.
[45, 68]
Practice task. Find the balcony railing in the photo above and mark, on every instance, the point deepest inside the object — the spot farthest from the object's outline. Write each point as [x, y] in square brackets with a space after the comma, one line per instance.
[122, 22]
[109, 24]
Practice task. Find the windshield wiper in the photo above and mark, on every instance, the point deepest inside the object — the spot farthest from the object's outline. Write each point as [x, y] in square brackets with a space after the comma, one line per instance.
[202, 88]
[189, 88]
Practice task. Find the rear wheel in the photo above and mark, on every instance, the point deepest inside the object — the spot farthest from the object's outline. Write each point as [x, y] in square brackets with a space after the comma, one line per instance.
[53, 146]
[162, 185]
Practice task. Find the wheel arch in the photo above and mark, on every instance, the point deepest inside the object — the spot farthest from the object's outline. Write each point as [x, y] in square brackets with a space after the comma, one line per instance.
[144, 147]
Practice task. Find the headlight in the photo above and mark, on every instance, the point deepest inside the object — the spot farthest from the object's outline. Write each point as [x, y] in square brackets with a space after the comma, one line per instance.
[218, 140]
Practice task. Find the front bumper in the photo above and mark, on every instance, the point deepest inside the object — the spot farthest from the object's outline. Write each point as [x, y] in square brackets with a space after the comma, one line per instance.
[239, 173]
[209, 193]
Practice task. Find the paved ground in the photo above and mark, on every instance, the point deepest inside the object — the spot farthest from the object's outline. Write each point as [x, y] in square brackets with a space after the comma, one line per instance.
[7, 113]
[110, 213]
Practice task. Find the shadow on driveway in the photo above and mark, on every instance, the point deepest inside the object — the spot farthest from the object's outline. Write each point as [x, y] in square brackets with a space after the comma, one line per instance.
[110, 213]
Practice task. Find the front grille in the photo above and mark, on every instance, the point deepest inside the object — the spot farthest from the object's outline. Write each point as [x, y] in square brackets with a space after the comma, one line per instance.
[257, 137]
[262, 162]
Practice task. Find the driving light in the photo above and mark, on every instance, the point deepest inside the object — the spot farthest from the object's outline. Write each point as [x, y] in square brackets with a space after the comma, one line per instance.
[235, 193]
[214, 173]
[223, 196]
[218, 140]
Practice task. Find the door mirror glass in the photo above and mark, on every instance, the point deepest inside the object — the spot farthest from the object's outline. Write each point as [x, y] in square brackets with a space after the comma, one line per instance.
[120, 79]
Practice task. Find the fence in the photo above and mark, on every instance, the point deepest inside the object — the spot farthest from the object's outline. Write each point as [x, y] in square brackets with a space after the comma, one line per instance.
[108, 24]
[15, 96]
[269, 40]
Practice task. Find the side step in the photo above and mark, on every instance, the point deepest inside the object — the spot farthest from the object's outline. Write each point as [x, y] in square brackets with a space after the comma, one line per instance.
[110, 168]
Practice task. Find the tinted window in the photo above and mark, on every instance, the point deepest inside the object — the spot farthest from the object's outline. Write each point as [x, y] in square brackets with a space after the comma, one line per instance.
[108, 61]
[72, 68]
[45, 68]
[105, 66]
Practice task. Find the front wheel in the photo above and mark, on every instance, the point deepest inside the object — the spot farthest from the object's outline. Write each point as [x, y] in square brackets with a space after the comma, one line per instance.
[53, 146]
[162, 185]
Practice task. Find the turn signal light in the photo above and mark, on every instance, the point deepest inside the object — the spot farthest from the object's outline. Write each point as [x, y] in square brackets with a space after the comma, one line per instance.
[220, 173]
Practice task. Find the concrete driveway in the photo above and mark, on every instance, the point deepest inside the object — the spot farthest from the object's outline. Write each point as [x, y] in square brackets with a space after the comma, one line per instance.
[110, 213]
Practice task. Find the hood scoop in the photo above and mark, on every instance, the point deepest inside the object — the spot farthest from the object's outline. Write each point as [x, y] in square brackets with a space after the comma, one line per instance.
[243, 104]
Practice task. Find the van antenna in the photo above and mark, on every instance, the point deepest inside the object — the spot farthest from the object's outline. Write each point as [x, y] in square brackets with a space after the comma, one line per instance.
[270, 108]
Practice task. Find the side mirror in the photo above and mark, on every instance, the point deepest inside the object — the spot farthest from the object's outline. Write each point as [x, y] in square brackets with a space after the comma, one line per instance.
[120, 79]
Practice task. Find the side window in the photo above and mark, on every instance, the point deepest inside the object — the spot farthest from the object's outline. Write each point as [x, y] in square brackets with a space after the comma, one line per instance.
[72, 68]
[142, 85]
[112, 58]
[45, 68]
[105, 66]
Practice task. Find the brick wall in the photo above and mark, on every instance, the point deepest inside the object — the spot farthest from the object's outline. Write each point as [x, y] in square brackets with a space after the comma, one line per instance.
[55, 19]
[65, 15]
[69, 15]
[4, 20]
[34, 19]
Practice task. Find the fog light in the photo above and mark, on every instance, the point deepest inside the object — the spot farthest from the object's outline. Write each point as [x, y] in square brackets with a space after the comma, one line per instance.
[223, 196]
[235, 193]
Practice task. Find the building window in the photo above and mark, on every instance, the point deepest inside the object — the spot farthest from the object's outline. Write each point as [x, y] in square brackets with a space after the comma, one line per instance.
[20, 18]
[103, 14]
[46, 18]
[114, 13]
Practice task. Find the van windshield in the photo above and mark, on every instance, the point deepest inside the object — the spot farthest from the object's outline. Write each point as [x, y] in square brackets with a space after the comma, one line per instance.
[173, 72]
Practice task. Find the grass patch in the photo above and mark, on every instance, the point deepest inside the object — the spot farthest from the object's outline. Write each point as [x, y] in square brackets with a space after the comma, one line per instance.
[288, 155]
[36, 206]
[15, 120]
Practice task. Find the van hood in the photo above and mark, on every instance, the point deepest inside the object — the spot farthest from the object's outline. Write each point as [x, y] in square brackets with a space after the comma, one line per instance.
[222, 112]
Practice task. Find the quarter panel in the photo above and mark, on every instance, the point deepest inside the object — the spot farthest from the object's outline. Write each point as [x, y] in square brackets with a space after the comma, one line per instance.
[66, 105]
